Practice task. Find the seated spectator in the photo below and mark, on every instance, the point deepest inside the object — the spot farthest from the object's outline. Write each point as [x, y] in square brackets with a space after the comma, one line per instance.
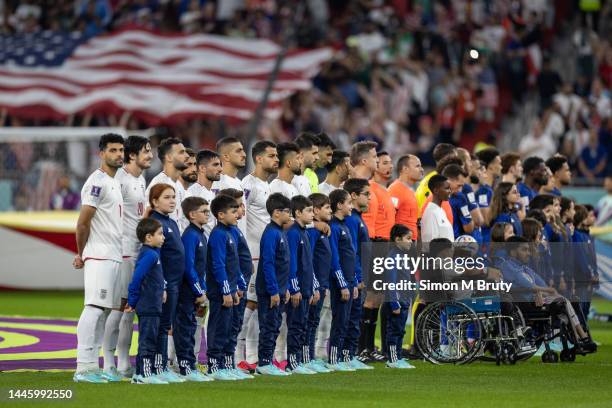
[593, 159]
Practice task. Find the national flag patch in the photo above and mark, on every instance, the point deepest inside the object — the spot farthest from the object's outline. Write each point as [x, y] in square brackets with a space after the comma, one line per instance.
[95, 191]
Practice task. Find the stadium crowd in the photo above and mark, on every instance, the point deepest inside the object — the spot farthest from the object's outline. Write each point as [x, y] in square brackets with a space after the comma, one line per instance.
[279, 260]
[407, 75]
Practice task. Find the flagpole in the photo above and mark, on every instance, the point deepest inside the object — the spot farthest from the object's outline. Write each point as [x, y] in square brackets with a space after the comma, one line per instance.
[261, 107]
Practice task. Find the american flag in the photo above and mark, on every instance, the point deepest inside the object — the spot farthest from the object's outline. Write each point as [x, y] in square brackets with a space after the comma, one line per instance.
[158, 78]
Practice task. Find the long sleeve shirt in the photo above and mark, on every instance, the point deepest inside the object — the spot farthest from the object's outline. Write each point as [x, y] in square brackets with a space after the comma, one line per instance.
[245, 259]
[145, 292]
[512, 219]
[223, 263]
[196, 249]
[172, 252]
[361, 242]
[522, 277]
[585, 265]
[396, 298]
[301, 270]
[343, 254]
[321, 258]
[273, 267]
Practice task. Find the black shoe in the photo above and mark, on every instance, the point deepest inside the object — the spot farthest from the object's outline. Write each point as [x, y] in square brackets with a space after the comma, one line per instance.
[411, 354]
[587, 346]
[364, 356]
[377, 356]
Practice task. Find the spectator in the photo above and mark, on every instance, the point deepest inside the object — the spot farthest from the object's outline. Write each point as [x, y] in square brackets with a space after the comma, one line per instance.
[537, 143]
[64, 197]
[549, 83]
[593, 158]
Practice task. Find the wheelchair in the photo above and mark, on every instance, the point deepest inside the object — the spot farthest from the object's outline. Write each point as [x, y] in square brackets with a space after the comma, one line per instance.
[547, 323]
[461, 331]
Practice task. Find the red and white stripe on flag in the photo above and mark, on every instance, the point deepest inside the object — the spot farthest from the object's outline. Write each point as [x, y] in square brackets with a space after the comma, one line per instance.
[160, 78]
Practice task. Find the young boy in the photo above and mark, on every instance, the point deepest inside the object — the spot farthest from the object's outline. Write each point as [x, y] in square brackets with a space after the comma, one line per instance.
[302, 286]
[193, 289]
[271, 281]
[146, 294]
[359, 190]
[342, 287]
[397, 305]
[321, 260]
[223, 266]
[246, 269]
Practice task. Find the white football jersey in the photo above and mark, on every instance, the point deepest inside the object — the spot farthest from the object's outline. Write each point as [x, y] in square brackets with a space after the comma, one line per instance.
[326, 188]
[286, 189]
[256, 193]
[302, 185]
[231, 182]
[198, 190]
[134, 203]
[177, 215]
[105, 237]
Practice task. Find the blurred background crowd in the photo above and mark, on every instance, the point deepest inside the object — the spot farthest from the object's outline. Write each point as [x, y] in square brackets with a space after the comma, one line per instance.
[532, 76]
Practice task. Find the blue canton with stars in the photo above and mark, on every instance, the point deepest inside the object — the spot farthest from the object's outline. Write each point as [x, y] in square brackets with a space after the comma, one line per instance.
[44, 48]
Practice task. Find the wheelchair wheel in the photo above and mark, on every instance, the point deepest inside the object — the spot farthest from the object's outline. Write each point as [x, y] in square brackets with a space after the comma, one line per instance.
[509, 354]
[550, 356]
[449, 333]
[568, 355]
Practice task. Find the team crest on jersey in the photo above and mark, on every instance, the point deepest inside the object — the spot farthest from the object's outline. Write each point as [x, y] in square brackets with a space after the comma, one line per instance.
[95, 191]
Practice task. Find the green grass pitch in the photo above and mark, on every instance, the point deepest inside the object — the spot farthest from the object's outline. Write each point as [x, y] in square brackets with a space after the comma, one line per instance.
[584, 383]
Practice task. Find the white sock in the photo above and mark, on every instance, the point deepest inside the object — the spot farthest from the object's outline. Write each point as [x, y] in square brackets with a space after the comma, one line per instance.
[280, 352]
[86, 336]
[323, 332]
[240, 354]
[126, 330]
[171, 351]
[111, 334]
[99, 332]
[198, 336]
[252, 338]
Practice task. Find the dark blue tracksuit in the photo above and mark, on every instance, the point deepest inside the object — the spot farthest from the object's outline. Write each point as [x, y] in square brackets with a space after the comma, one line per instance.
[246, 267]
[172, 256]
[321, 261]
[361, 243]
[342, 277]
[394, 301]
[301, 267]
[145, 295]
[585, 270]
[194, 286]
[510, 217]
[556, 249]
[223, 268]
[272, 279]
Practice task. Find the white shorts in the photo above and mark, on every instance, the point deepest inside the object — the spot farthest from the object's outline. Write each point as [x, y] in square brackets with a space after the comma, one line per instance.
[127, 272]
[102, 283]
[251, 292]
